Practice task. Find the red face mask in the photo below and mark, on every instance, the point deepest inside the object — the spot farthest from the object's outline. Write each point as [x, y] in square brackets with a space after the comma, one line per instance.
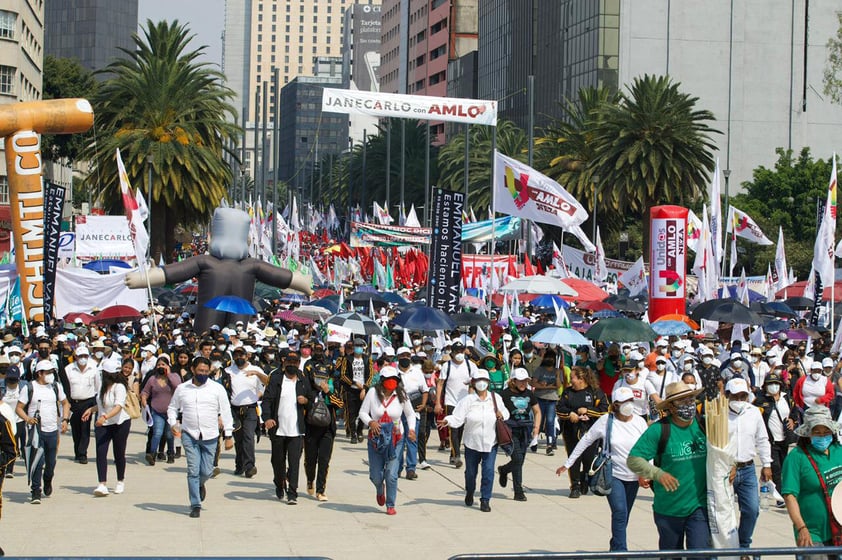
[390, 384]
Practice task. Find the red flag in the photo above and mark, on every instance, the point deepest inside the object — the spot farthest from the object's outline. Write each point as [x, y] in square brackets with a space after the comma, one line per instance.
[539, 266]
[512, 273]
[527, 266]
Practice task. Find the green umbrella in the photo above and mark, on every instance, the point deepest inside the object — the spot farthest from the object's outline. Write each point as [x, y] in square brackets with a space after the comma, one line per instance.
[621, 329]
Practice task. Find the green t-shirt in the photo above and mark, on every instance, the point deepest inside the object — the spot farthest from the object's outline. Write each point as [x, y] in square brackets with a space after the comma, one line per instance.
[684, 458]
[799, 479]
[497, 379]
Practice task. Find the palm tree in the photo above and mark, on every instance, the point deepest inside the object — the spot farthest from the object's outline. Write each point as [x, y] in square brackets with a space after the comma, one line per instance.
[511, 141]
[163, 105]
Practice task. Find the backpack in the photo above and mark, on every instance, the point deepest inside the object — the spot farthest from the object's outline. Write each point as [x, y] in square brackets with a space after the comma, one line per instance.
[31, 389]
[666, 427]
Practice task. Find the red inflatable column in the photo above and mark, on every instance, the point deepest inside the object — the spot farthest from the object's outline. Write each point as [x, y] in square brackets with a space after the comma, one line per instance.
[667, 260]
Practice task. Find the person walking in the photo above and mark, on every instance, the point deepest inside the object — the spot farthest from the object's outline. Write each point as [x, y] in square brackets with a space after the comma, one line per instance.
[678, 447]
[546, 381]
[381, 410]
[452, 386]
[157, 393]
[417, 391]
[356, 372]
[625, 427]
[779, 413]
[11, 395]
[318, 440]
[477, 414]
[247, 383]
[82, 377]
[113, 425]
[284, 405]
[203, 406]
[525, 422]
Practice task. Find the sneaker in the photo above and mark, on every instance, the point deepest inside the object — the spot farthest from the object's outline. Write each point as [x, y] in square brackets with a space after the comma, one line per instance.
[48, 488]
[120, 488]
[353, 439]
[550, 451]
[410, 475]
[216, 472]
[170, 458]
[150, 458]
[458, 463]
[504, 477]
[310, 488]
[35, 499]
[202, 492]
[321, 497]
[381, 495]
[575, 493]
[10, 475]
[424, 465]
[251, 472]
[161, 456]
[101, 491]
[195, 512]
[484, 506]
[83, 460]
[780, 504]
[291, 501]
[391, 511]
[520, 497]
[534, 448]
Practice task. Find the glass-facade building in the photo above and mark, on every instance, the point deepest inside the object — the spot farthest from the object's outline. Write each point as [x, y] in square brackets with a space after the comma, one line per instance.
[565, 44]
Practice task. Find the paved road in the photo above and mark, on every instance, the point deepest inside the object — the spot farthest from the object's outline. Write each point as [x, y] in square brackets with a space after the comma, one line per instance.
[243, 517]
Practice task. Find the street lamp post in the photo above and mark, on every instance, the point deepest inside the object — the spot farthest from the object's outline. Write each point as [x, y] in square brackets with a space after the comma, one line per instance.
[149, 203]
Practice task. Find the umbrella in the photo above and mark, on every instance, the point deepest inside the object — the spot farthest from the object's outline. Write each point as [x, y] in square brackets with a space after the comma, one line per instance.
[752, 295]
[323, 292]
[71, 317]
[188, 289]
[560, 335]
[470, 320]
[694, 326]
[365, 297]
[423, 318]
[797, 334]
[231, 304]
[547, 301]
[293, 298]
[621, 329]
[326, 303]
[539, 285]
[472, 302]
[625, 303]
[169, 298]
[356, 323]
[260, 304]
[799, 302]
[116, 314]
[367, 288]
[595, 306]
[781, 309]
[293, 317]
[314, 312]
[587, 291]
[34, 450]
[393, 298]
[607, 314]
[518, 321]
[732, 312]
[534, 328]
[775, 325]
[701, 311]
[668, 327]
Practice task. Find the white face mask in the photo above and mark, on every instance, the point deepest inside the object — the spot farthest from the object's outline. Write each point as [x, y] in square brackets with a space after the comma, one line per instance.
[50, 378]
[220, 347]
[14, 360]
[459, 357]
[99, 355]
[816, 376]
[692, 386]
[707, 360]
[688, 367]
[661, 367]
[416, 342]
[773, 388]
[82, 361]
[737, 406]
[626, 409]
[676, 353]
[481, 385]
[736, 364]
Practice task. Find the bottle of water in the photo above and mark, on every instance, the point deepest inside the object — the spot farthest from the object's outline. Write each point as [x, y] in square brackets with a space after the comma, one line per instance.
[766, 498]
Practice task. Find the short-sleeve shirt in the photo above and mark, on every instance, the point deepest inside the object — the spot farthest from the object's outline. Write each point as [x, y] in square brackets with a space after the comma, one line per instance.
[44, 402]
[799, 479]
[520, 407]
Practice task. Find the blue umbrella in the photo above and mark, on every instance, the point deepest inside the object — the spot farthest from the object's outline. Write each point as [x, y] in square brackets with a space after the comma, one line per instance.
[231, 304]
[607, 314]
[392, 297]
[732, 292]
[782, 309]
[560, 335]
[776, 325]
[329, 304]
[547, 300]
[293, 298]
[367, 288]
[103, 266]
[671, 328]
[425, 319]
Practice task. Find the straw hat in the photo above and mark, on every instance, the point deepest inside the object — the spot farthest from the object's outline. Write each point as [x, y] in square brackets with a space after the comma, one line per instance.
[677, 391]
[816, 416]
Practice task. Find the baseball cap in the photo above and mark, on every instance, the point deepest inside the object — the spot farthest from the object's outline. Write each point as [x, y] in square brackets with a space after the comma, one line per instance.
[827, 362]
[388, 371]
[480, 374]
[403, 350]
[519, 374]
[736, 385]
[82, 351]
[622, 394]
[44, 365]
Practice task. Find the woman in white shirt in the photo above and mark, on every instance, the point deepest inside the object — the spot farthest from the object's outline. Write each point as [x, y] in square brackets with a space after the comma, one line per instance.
[382, 409]
[112, 426]
[478, 413]
[626, 428]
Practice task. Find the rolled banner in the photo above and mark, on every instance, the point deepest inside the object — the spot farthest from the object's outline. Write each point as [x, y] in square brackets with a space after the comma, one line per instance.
[146, 415]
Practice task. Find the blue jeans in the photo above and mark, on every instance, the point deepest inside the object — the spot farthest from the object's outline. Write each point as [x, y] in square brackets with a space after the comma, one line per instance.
[410, 446]
[472, 462]
[381, 469]
[47, 463]
[548, 419]
[199, 455]
[620, 500]
[160, 429]
[745, 487]
[672, 531]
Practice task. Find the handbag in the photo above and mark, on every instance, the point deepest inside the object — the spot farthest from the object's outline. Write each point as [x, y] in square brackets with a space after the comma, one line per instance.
[504, 431]
[790, 436]
[601, 473]
[132, 406]
[835, 527]
[318, 414]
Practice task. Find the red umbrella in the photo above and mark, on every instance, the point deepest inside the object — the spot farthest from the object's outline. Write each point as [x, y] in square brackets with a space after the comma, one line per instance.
[797, 289]
[587, 291]
[188, 289]
[323, 293]
[71, 318]
[116, 314]
[497, 299]
[595, 306]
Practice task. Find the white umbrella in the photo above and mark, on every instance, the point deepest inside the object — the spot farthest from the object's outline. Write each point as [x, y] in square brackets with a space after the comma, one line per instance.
[539, 285]
[313, 312]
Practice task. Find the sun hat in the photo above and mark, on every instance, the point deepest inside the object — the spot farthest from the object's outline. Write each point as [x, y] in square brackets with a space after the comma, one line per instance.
[816, 416]
[675, 392]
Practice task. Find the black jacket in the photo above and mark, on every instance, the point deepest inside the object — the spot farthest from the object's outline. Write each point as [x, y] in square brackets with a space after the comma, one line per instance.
[766, 405]
[317, 373]
[272, 395]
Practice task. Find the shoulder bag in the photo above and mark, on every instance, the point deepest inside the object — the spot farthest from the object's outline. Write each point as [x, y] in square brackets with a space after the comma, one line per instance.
[601, 473]
[132, 406]
[504, 432]
[318, 414]
[835, 528]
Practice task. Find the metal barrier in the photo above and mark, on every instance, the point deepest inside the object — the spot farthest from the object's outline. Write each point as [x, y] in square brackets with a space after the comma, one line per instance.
[755, 553]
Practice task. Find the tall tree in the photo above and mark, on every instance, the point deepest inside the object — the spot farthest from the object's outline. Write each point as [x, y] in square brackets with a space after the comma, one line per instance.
[833, 69]
[161, 104]
[65, 78]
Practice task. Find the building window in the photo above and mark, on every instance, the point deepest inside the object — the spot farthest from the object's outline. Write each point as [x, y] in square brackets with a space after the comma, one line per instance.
[4, 190]
[7, 79]
[8, 22]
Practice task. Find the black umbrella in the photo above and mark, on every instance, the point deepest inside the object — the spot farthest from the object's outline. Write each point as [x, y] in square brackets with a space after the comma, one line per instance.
[625, 303]
[169, 298]
[799, 302]
[733, 312]
[365, 297]
[534, 328]
[470, 320]
[700, 311]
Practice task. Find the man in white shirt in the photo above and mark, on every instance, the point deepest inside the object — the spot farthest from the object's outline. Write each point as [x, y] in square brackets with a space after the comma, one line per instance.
[82, 377]
[417, 391]
[747, 429]
[202, 405]
[247, 383]
[452, 386]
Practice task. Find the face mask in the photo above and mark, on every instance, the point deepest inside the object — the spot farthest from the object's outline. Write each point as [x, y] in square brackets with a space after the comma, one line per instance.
[428, 375]
[99, 355]
[160, 371]
[661, 367]
[688, 367]
[773, 388]
[676, 353]
[200, 378]
[626, 409]
[270, 356]
[14, 360]
[404, 362]
[707, 360]
[44, 352]
[821, 443]
[816, 376]
[459, 358]
[428, 347]
[82, 361]
[686, 412]
[390, 384]
[481, 386]
[627, 351]
[692, 386]
[305, 352]
[220, 347]
[50, 378]
[737, 364]
[291, 371]
[416, 342]
[662, 351]
[490, 365]
[756, 359]
[528, 355]
[631, 379]
[737, 406]
[240, 362]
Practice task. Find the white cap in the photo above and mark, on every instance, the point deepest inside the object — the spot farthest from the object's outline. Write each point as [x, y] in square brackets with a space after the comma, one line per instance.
[11, 349]
[149, 348]
[61, 338]
[249, 349]
[44, 365]
[635, 356]
[622, 394]
[480, 374]
[689, 358]
[176, 332]
[507, 337]
[403, 350]
[123, 339]
[78, 321]
[110, 366]
[827, 362]
[736, 356]
[144, 321]
[388, 371]
[82, 351]
[421, 354]
[282, 345]
[661, 343]
[519, 374]
[389, 351]
[817, 365]
[705, 351]
[736, 385]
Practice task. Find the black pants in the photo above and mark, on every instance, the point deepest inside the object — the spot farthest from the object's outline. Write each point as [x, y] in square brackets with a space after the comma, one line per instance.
[245, 423]
[21, 439]
[353, 402]
[520, 441]
[117, 435]
[81, 431]
[579, 471]
[779, 451]
[318, 448]
[286, 458]
[421, 436]
[455, 437]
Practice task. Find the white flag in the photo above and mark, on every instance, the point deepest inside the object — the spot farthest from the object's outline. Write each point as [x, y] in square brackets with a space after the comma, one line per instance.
[742, 289]
[732, 264]
[634, 279]
[716, 213]
[705, 266]
[600, 270]
[837, 342]
[825, 239]
[294, 224]
[140, 236]
[524, 192]
[559, 265]
[141, 205]
[694, 231]
[742, 225]
[781, 270]
[412, 218]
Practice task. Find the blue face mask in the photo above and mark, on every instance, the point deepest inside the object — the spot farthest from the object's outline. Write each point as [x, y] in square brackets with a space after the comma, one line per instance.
[200, 379]
[358, 351]
[821, 443]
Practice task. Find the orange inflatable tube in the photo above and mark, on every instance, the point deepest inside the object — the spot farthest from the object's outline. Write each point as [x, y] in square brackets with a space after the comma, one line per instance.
[21, 124]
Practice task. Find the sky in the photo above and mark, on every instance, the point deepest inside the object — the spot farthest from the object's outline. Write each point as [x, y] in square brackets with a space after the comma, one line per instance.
[204, 18]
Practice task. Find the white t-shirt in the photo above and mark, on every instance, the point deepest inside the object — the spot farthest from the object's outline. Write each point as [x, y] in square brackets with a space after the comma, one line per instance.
[245, 389]
[115, 395]
[623, 437]
[641, 397]
[44, 401]
[776, 428]
[288, 410]
[82, 382]
[812, 390]
[457, 378]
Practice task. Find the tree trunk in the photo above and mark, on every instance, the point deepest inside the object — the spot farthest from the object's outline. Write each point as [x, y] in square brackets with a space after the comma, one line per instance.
[169, 235]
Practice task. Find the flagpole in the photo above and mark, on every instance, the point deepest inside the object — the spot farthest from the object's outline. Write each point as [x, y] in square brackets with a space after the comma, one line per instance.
[493, 212]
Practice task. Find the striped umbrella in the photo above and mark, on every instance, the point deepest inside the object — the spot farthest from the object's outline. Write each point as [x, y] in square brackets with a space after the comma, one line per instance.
[356, 323]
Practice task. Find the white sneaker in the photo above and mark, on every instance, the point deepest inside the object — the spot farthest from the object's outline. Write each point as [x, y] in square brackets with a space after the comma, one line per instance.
[101, 491]
[424, 465]
[121, 486]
